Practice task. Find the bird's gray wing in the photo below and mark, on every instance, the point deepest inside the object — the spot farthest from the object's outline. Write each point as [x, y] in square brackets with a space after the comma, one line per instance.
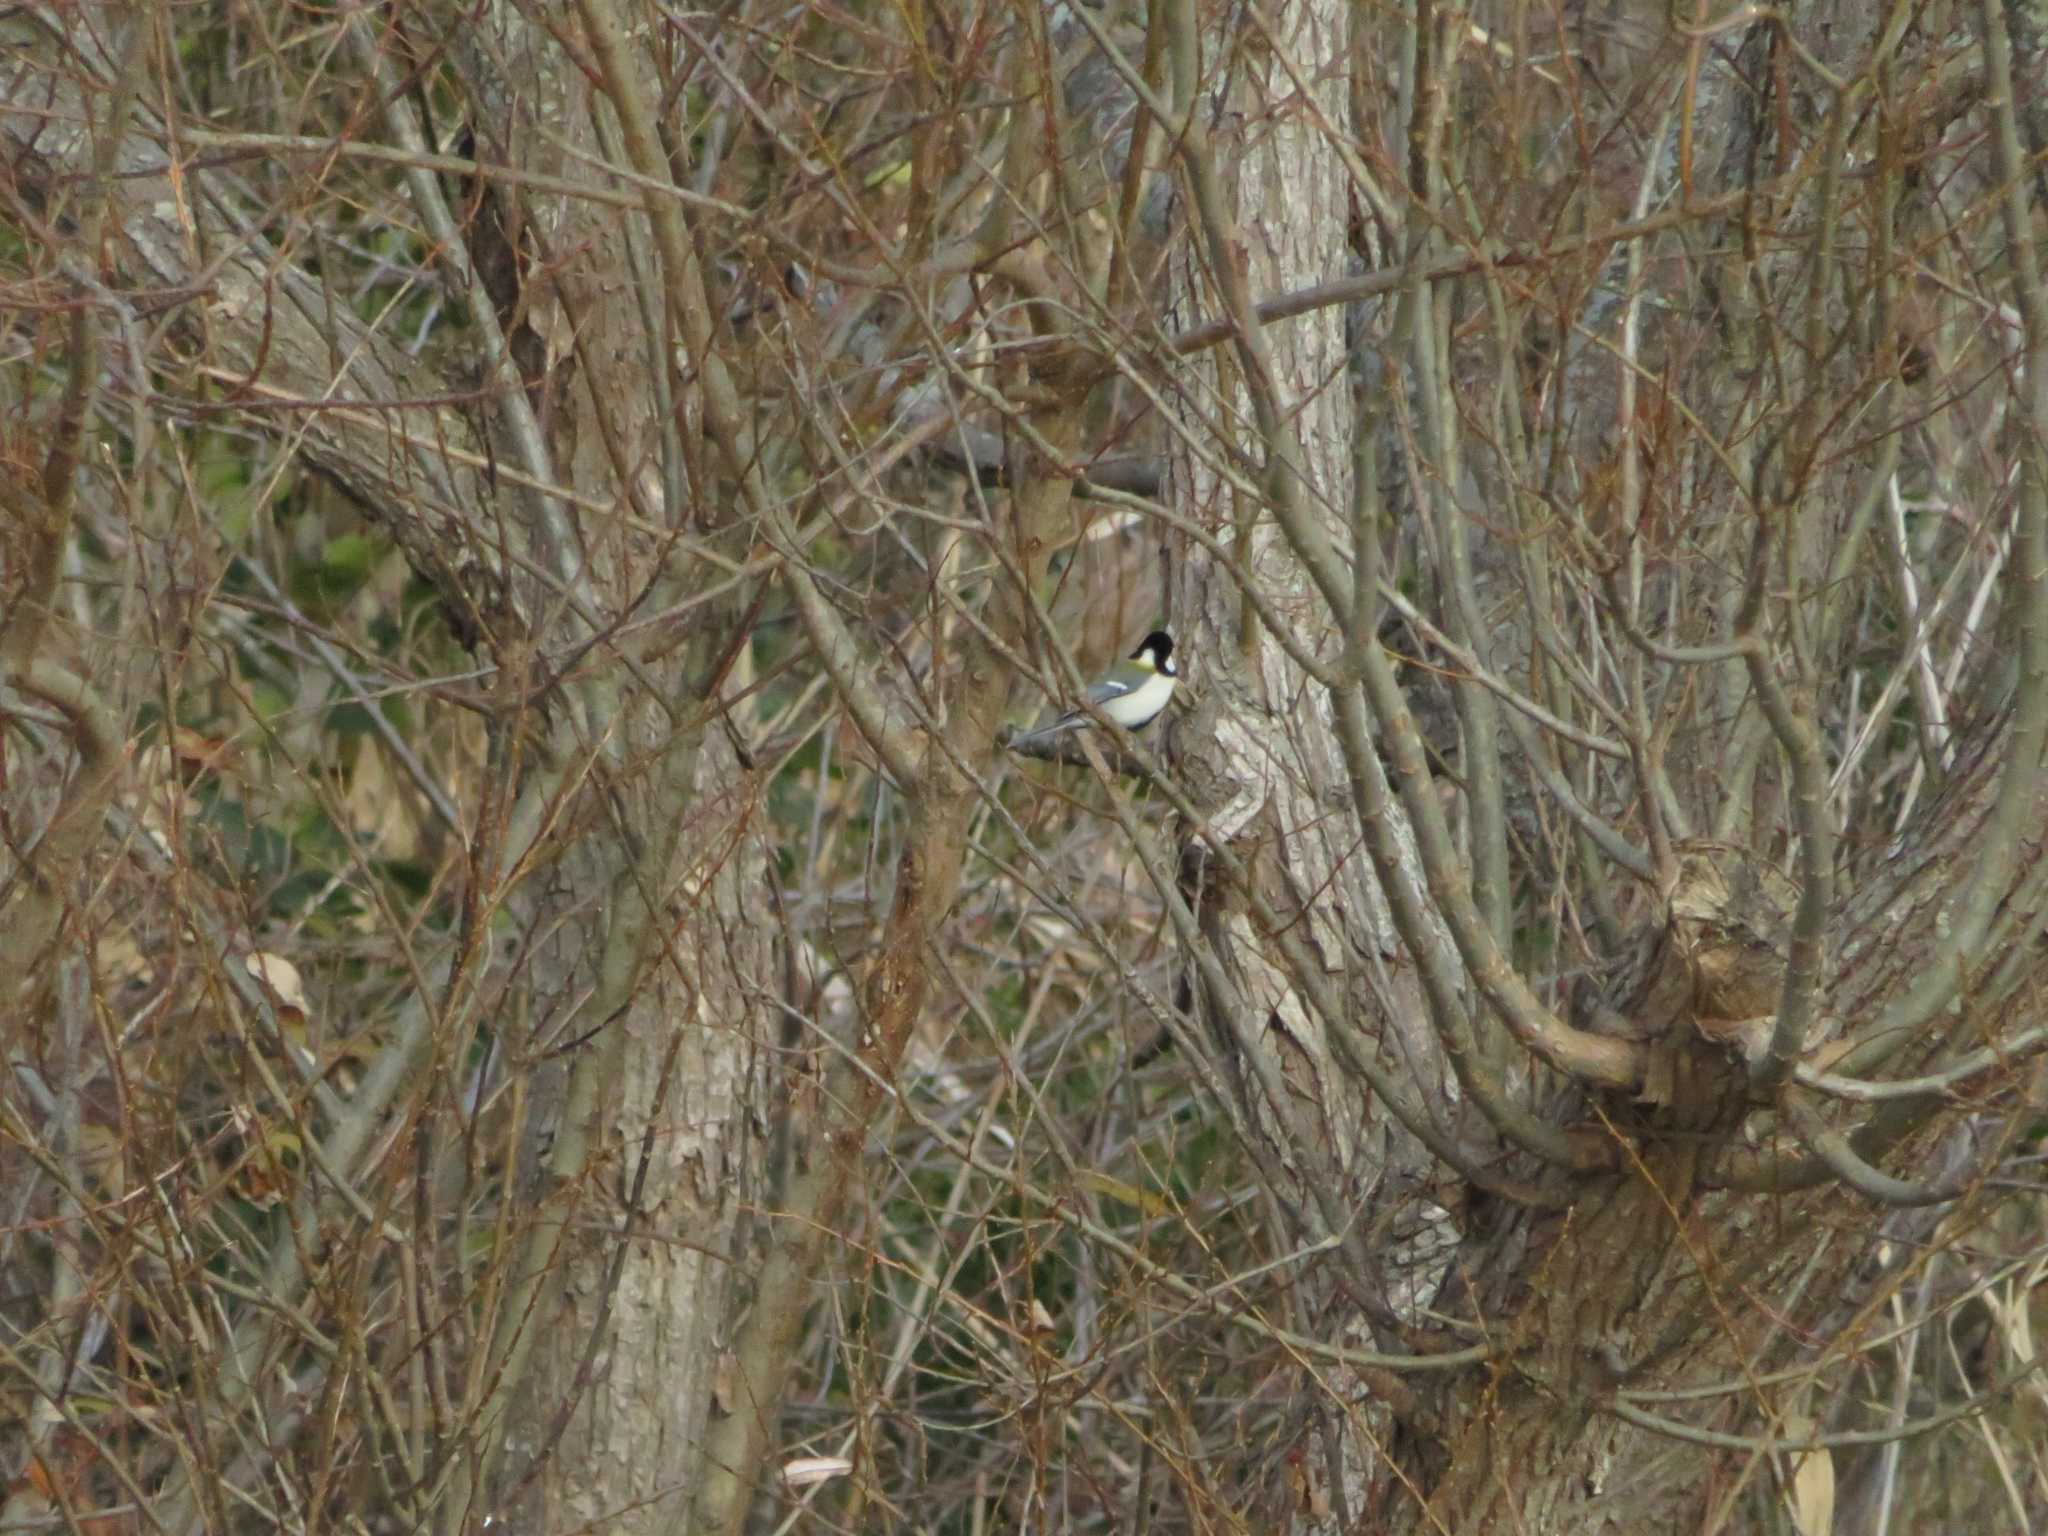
[1099, 694]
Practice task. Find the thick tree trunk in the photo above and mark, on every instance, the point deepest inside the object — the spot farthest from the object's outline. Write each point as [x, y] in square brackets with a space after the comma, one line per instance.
[1297, 964]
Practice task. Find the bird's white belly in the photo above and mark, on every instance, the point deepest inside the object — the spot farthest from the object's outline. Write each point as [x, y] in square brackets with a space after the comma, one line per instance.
[1142, 702]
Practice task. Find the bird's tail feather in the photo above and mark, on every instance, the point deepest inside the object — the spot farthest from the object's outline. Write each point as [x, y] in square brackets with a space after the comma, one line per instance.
[1046, 733]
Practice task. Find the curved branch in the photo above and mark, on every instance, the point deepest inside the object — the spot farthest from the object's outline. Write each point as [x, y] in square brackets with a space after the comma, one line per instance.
[2006, 1053]
[1623, 1409]
[1836, 1150]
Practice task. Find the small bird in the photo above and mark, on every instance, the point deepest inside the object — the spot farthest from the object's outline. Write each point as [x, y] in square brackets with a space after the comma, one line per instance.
[1132, 695]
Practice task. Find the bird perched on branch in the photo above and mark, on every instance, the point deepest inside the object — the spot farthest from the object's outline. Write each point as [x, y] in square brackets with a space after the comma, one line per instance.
[1132, 695]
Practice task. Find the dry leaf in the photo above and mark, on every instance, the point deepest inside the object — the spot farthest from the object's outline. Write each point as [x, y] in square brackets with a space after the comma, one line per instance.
[282, 978]
[806, 1470]
[378, 811]
[1811, 1497]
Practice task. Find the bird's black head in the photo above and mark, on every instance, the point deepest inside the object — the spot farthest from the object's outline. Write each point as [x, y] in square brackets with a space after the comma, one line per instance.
[1156, 651]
